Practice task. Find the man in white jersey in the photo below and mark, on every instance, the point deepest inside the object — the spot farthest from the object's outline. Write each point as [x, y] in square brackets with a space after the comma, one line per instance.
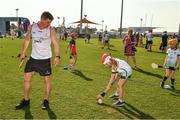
[121, 71]
[171, 62]
[42, 35]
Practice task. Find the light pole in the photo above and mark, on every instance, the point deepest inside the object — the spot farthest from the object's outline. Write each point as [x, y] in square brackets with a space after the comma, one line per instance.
[17, 9]
[86, 24]
[81, 15]
[106, 28]
[141, 22]
[102, 25]
[179, 29]
[58, 21]
[151, 20]
[122, 4]
[145, 21]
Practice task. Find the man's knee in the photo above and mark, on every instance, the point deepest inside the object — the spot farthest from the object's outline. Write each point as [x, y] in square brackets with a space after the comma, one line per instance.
[27, 77]
[47, 80]
[26, 80]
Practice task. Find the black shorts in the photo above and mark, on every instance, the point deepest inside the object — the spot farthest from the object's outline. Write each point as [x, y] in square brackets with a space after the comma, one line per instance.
[150, 42]
[43, 67]
[164, 44]
[171, 68]
[72, 54]
[106, 41]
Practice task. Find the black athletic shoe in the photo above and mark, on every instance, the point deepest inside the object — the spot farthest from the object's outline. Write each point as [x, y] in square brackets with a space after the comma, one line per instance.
[22, 104]
[172, 87]
[162, 85]
[45, 104]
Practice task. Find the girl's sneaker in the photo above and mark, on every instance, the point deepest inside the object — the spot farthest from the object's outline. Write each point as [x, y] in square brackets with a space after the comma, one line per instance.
[119, 103]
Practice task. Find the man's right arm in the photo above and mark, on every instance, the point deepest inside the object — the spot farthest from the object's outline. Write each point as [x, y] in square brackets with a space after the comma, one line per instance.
[26, 43]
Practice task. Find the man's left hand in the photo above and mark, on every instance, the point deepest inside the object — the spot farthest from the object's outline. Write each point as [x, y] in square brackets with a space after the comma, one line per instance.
[56, 61]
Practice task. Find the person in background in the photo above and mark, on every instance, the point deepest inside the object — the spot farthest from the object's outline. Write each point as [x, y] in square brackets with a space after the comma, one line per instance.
[178, 39]
[1, 35]
[141, 40]
[149, 37]
[13, 34]
[87, 38]
[65, 35]
[100, 38]
[106, 40]
[174, 36]
[129, 47]
[137, 38]
[164, 42]
[73, 54]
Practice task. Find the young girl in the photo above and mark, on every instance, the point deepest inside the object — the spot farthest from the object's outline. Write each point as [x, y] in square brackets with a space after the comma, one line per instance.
[73, 54]
[121, 71]
[171, 62]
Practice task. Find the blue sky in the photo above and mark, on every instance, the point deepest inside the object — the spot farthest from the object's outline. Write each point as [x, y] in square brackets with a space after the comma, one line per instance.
[164, 13]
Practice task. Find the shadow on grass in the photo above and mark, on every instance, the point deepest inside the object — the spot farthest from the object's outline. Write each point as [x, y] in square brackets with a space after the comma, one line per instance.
[130, 111]
[89, 43]
[112, 50]
[80, 74]
[27, 111]
[148, 73]
[109, 49]
[111, 45]
[51, 114]
[175, 92]
[176, 95]
[157, 52]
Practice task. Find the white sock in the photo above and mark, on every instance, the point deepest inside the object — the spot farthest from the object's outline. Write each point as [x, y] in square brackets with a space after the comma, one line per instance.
[116, 94]
[120, 100]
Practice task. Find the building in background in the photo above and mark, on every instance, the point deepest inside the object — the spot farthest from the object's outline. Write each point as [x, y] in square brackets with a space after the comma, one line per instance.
[5, 24]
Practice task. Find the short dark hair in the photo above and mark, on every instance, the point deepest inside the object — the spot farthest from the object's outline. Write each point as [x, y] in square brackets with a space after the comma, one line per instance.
[47, 15]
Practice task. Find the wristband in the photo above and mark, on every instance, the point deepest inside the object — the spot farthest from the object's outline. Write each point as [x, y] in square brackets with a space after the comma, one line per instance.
[103, 94]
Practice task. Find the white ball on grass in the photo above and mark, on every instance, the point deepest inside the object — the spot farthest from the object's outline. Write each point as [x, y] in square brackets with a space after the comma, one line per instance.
[100, 101]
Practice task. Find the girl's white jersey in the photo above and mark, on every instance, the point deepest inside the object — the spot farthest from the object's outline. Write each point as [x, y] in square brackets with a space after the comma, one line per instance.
[41, 42]
[123, 68]
[172, 56]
